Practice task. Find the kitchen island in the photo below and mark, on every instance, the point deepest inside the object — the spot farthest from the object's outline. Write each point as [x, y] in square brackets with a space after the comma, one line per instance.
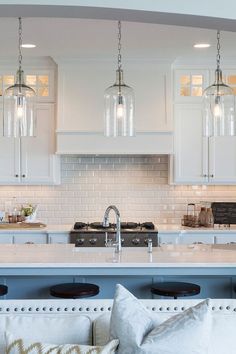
[30, 269]
[65, 259]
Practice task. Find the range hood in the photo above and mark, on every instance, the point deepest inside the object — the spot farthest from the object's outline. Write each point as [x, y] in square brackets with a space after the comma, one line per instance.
[97, 144]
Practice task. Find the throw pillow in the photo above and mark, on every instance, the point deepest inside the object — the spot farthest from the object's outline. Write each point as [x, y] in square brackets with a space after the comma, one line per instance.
[20, 346]
[138, 333]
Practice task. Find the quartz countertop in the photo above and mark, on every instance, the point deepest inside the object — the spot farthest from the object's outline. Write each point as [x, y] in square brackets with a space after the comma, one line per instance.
[162, 228]
[66, 255]
[175, 228]
[47, 229]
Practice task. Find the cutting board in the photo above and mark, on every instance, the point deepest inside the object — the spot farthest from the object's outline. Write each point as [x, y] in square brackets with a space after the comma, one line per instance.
[22, 225]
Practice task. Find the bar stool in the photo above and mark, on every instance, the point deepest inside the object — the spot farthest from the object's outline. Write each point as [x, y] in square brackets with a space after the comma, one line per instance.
[175, 289]
[74, 290]
[3, 290]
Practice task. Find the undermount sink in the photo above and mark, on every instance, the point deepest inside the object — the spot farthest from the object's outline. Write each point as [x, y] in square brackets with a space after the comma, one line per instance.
[108, 249]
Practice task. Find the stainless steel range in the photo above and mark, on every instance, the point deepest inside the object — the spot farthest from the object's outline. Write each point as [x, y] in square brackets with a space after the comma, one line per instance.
[96, 235]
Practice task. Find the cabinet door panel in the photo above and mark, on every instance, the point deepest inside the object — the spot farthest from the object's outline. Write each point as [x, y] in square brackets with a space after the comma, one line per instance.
[190, 84]
[9, 157]
[167, 239]
[30, 238]
[58, 238]
[190, 157]
[222, 159]
[6, 238]
[196, 238]
[225, 238]
[38, 162]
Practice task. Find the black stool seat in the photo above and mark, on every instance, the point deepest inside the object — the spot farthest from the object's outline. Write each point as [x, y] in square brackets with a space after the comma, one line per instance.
[74, 290]
[3, 290]
[175, 289]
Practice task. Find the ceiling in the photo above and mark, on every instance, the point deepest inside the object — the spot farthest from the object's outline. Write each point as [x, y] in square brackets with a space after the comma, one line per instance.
[72, 37]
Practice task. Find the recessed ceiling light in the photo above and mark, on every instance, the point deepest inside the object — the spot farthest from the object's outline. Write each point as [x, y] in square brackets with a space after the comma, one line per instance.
[28, 45]
[202, 45]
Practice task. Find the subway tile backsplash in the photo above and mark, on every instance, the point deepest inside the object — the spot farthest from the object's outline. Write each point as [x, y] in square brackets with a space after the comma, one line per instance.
[137, 185]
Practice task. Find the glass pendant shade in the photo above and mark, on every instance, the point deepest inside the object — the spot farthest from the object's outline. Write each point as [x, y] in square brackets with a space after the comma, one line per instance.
[219, 105]
[19, 103]
[219, 109]
[119, 108]
[19, 109]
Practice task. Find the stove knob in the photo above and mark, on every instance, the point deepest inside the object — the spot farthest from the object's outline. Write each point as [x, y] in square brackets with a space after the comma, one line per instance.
[147, 240]
[136, 241]
[122, 241]
[80, 241]
[92, 241]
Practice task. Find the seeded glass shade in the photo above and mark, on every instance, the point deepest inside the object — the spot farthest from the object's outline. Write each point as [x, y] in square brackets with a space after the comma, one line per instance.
[19, 109]
[119, 109]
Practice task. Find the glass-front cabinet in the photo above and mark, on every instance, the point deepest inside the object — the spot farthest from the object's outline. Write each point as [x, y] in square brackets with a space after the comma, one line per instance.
[190, 84]
[31, 160]
[198, 159]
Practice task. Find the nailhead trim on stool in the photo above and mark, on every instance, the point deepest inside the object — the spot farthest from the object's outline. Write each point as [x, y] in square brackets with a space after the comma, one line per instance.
[74, 290]
[3, 290]
[175, 289]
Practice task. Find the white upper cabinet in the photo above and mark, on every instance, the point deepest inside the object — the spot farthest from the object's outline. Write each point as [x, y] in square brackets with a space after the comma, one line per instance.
[31, 160]
[190, 153]
[80, 125]
[37, 158]
[199, 160]
[222, 160]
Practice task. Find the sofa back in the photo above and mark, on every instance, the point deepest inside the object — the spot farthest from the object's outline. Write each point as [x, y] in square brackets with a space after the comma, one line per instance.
[76, 321]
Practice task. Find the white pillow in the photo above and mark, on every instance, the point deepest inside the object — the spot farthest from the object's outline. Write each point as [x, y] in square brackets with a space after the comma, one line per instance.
[16, 345]
[57, 329]
[184, 333]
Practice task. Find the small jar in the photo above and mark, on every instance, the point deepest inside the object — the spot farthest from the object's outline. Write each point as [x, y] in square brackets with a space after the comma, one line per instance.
[209, 218]
[202, 217]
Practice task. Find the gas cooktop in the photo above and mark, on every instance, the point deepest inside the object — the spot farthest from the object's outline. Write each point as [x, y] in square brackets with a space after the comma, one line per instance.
[128, 226]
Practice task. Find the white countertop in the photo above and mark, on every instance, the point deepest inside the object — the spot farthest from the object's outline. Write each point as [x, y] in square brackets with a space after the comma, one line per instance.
[47, 229]
[66, 256]
[178, 229]
[162, 229]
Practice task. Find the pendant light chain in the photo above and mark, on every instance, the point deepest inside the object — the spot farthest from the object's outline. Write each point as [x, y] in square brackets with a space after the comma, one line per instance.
[20, 43]
[119, 47]
[218, 51]
[119, 101]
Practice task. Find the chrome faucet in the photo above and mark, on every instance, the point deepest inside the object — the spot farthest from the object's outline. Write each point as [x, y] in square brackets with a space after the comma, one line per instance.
[106, 224]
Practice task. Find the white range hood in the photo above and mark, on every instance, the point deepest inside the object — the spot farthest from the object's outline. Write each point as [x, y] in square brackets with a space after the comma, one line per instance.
[98, 144]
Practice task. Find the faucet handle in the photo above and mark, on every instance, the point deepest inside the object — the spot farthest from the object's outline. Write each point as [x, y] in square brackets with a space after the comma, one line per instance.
[106, 222]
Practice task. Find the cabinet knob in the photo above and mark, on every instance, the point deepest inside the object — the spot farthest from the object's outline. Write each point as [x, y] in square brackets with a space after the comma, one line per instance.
[204, 175]
[23, 176]
[211, 176]
[16, 175]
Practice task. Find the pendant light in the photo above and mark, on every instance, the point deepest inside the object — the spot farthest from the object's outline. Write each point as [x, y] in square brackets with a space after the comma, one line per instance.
[19, 103]
[219, 105]
[119, 103]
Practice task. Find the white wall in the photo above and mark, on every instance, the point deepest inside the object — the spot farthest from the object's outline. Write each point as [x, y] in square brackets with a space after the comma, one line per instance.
[136, 184]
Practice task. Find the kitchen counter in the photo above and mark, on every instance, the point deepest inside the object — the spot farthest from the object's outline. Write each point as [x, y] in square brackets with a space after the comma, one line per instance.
[178, 229]
[61, 259]
[162, 228]
[47, 229]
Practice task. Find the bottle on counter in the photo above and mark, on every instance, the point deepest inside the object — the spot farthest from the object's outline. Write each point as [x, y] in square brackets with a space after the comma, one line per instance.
[202, 217]
[209, 218]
